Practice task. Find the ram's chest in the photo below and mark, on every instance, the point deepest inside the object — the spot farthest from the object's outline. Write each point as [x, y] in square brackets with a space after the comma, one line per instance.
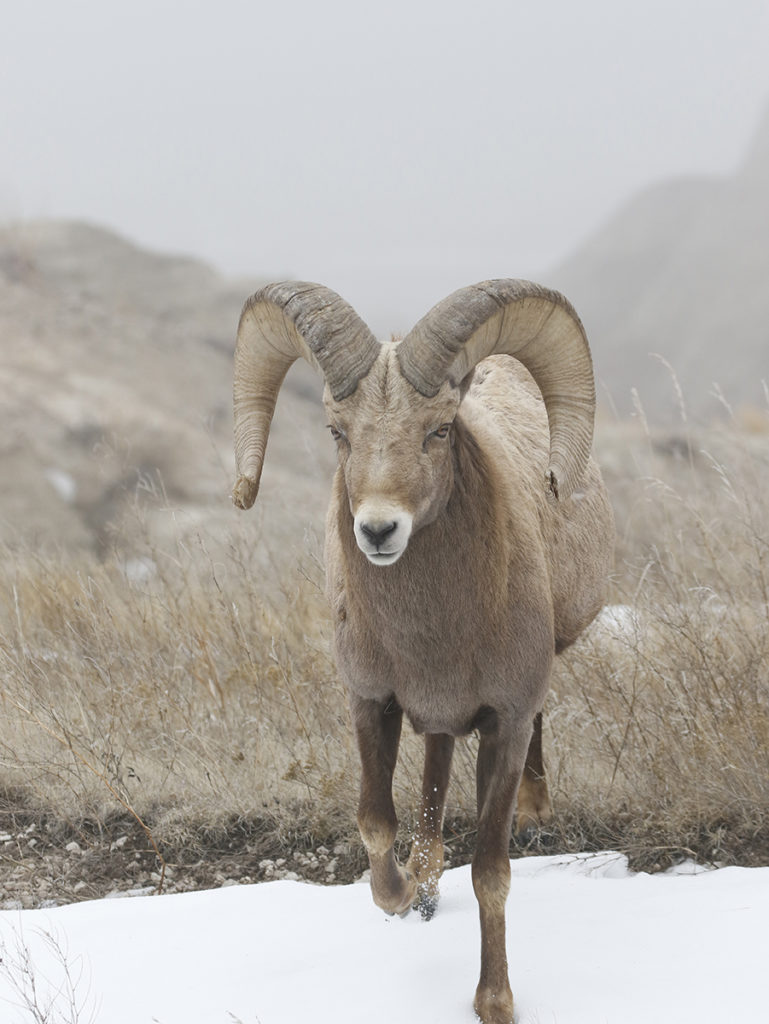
[427, 668]
[442, 653]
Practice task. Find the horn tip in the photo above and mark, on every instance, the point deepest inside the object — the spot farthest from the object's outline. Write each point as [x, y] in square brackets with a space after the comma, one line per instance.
[244, 492]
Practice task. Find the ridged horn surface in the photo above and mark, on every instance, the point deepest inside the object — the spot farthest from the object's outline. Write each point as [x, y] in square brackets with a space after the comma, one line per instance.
[281, 323]
[537, 326]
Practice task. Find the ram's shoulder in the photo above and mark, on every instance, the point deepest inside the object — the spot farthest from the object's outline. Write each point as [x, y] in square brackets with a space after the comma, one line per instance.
[504, 397]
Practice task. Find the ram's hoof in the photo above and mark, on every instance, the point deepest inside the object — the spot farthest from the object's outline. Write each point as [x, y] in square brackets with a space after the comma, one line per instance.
[426, 902]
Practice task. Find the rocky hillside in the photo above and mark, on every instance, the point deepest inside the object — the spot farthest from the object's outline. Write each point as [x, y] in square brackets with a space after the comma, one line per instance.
[681, 271]
[115, 393]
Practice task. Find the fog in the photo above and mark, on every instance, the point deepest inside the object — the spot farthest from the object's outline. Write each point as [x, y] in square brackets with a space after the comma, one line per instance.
[393, 152]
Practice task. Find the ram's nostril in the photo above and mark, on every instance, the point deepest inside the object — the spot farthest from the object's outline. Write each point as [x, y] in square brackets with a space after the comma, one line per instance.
[377, 533]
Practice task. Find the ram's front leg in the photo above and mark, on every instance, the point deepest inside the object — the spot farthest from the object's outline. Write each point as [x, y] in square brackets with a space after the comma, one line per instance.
[378, 730]
[501, 755]
[426, 859]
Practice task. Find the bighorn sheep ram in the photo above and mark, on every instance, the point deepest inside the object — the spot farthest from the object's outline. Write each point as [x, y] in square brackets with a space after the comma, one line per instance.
[466, 545]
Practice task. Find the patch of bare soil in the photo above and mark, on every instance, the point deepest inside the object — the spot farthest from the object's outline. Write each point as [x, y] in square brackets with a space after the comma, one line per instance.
[45, 862]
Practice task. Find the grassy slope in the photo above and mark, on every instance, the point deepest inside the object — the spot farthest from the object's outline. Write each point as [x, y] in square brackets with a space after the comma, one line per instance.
[203, 700]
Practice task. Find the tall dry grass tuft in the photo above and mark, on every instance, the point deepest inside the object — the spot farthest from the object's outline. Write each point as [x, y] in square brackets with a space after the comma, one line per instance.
[191, 688]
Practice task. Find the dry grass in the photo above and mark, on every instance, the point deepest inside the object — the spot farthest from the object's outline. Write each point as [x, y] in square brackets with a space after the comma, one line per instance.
[199, 695]
[660, 716]
[184, 695]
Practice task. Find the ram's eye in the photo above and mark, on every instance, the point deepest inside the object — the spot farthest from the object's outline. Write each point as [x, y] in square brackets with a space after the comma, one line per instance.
[335, 433]
[442, 430]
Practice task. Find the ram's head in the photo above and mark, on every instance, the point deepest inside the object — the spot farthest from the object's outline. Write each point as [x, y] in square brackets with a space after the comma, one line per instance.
[391, 408]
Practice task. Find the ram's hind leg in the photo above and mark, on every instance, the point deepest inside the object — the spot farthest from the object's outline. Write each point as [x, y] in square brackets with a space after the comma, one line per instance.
[534, 807]
[426, 860]
[378, 729]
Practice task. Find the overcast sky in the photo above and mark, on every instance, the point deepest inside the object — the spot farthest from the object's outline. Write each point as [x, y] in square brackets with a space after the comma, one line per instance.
[397, 149]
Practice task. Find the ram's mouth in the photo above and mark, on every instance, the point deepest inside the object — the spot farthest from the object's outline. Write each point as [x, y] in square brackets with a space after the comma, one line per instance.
[383, 557]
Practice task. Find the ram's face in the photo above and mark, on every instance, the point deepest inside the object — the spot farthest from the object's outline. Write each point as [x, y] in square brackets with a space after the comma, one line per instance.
[395, 450]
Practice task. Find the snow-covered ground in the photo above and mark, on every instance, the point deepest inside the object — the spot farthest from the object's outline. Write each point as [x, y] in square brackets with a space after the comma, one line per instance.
[588, 943]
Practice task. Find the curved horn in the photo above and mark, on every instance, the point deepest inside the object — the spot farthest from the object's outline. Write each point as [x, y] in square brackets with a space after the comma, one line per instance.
[279, 324]
[537, 326]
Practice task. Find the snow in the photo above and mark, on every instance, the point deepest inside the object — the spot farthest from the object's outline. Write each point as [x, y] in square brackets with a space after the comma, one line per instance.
[588, 943]
[618, 620]
[63, 483]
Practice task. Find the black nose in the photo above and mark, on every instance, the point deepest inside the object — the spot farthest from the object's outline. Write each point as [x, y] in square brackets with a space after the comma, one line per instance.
[376, 533]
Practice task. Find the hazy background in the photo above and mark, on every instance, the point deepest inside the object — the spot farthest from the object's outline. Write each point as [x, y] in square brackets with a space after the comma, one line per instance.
[393, 151]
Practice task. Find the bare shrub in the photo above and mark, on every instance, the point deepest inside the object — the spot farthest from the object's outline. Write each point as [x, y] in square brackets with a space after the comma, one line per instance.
[46, 985]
